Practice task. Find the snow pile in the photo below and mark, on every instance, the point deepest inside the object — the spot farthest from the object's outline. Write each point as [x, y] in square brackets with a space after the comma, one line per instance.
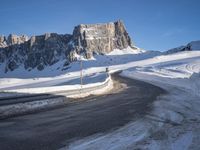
[91, 81]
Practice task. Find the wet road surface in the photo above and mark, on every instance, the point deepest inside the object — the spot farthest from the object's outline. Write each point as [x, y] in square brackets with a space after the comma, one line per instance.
[55, 128]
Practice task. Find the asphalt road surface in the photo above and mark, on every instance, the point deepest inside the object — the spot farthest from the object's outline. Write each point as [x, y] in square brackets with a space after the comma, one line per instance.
[56, 128]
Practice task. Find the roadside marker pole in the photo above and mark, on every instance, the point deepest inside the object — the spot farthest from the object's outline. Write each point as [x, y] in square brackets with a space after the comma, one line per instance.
[81, 73]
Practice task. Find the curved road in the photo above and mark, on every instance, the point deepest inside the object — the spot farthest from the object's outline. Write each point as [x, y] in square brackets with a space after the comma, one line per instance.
[55, 128]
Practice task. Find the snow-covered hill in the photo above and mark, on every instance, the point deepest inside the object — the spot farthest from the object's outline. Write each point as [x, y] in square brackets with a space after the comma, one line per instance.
[194, 45]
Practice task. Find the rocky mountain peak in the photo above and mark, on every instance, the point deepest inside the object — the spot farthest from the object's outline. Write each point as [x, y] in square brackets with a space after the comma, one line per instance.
[3, 41]
[12, 39]
[101, 38]
[45, 50]
[15, 39]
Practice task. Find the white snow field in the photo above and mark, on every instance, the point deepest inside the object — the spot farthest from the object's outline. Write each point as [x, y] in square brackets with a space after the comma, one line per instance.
[174, 121]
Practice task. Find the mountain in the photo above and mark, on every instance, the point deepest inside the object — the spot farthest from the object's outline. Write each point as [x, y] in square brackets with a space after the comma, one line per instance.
[194, 45]
[45, 50]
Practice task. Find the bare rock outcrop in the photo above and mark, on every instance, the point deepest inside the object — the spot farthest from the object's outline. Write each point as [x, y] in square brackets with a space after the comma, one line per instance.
[12, 39]
[15, 39]
[3, 42]
[101, 38]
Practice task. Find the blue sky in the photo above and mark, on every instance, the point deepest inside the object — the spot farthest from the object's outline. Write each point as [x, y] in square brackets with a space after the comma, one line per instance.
[152, 24]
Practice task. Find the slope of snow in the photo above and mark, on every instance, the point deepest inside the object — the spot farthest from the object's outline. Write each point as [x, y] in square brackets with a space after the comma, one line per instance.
[52, 75]
[128, 50]
[114, 60]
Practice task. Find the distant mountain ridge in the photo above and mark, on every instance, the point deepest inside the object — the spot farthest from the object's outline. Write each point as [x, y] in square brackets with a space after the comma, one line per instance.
[194, 45]
[12, 39]
[45, 50]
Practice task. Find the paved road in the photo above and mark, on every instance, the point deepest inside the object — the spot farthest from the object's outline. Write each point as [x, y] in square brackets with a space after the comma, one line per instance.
[55, 128]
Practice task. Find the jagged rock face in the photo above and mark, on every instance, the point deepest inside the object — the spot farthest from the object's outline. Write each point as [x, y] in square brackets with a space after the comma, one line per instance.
[38, 52]
[3, 42]
[101, 38]
[14, 39]
[45, 50]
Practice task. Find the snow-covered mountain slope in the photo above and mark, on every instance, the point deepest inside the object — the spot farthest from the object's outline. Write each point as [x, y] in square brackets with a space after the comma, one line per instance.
[175, 65]
[54, 74]
[194, 45]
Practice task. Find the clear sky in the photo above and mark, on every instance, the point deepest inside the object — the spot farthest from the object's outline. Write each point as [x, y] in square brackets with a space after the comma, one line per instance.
[152, 24]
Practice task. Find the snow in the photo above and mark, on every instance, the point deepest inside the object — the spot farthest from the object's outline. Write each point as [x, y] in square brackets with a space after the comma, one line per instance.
[183, 142]
[89, 81]
[126, 51]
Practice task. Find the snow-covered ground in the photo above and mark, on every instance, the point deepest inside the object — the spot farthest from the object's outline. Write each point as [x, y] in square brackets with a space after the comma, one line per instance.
[174, 123]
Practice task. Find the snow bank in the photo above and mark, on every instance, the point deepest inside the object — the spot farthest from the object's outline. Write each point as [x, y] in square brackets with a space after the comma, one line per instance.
[91, 81]
[25, 107]
[21, 108]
